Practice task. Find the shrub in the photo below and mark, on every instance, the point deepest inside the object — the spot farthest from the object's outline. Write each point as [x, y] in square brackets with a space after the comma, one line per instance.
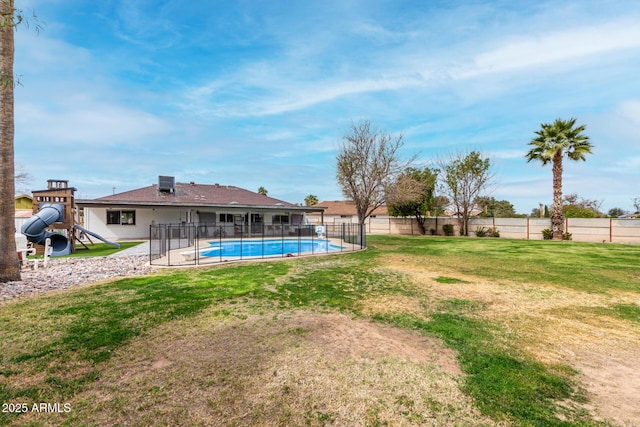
[481, 232]
[432, 231]
[487, 232]
[548, 235]
[448, 229]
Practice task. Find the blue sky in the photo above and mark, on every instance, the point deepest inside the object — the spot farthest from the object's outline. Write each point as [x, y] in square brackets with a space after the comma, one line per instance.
[259, 93]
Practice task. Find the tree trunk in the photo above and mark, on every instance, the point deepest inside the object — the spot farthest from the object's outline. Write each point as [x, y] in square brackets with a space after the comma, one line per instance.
[557, 218]
[9, 265]
[420, 220]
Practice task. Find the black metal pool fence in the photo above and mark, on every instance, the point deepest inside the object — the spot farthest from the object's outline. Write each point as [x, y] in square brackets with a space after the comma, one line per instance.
[184, 244]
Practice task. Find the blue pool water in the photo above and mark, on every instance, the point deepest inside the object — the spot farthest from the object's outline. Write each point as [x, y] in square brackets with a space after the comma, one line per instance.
[272, 247]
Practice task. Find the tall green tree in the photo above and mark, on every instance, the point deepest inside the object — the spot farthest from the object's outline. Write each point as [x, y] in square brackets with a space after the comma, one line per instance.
[553, 142]
[616, 212]
[263, 191]
[491, 207]
[574, 206]
[413, 194]
[367, 162]
[464, 176]
[9, 267]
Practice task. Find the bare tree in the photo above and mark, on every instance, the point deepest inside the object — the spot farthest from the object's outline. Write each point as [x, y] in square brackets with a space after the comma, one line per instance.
[464, 177]
[22, 180]
[367, 162]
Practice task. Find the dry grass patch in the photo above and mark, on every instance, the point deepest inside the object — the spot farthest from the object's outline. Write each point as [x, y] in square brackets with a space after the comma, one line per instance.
[556, 326]
[381, 305]
[286, 368]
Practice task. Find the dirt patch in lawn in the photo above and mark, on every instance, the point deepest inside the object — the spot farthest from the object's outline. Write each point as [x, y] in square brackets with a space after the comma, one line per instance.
[291, 368]
[555, 325]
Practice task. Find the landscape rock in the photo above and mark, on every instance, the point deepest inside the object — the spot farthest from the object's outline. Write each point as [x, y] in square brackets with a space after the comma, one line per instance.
[64, 273]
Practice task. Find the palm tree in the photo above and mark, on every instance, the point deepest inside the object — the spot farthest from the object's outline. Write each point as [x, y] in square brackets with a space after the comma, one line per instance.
[553, 141]
[9, 268]
[263, 191]
[310, 200]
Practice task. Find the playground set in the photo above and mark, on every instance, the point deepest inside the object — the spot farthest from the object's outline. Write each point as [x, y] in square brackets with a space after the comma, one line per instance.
[54, 209]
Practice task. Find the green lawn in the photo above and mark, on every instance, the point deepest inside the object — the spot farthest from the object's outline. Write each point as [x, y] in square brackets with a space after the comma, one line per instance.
[97, 249]
[592, 267]
[101, 249]
[55, 347]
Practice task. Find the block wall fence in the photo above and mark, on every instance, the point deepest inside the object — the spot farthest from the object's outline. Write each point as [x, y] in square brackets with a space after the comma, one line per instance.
[611, 230]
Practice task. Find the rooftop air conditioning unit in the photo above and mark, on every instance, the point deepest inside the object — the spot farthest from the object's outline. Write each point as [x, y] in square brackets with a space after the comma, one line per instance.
[167, 183]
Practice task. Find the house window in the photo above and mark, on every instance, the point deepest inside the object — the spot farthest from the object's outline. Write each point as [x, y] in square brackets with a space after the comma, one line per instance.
[113, 217]
[128, 218]
[280, 219]
[226, 217]
[121, 217]
[256, 218]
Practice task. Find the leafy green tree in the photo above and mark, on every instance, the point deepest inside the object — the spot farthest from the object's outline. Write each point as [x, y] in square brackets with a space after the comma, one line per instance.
[575, 211]
[491, 207]
[464, 177]
[310, 200]
[367, 162]
[263, 191]
[440, 204]
[413, 194]
[616, 212]
[553, 142]
[574, 206]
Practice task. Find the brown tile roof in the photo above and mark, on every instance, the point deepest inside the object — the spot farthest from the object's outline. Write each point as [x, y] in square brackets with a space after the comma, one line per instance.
[341, 207]
[191, 194]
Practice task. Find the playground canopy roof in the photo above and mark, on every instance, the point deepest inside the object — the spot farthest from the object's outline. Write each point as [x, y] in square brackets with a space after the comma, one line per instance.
[195, 195]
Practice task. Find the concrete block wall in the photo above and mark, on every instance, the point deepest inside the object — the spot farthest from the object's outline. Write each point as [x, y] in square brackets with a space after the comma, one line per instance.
[582, 229]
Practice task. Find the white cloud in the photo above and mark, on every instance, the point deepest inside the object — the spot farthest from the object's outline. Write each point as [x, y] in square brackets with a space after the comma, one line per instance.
[630, 110]
[91, 123]
[555, 48]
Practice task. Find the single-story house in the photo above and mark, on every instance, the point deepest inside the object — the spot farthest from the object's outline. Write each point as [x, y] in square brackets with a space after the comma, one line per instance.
[341, 211]
[129, 215]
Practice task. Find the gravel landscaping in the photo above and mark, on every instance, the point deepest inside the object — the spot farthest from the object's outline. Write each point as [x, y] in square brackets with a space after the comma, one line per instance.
[63, 273]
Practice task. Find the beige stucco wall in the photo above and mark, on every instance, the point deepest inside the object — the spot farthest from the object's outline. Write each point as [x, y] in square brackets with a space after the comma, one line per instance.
[582, 229]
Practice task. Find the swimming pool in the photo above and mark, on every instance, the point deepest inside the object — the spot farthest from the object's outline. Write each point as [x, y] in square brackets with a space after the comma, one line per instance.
[270, 247]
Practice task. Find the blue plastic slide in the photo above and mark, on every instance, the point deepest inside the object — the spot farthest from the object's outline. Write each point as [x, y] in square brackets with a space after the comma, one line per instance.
[97, 236]
[34, 228]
